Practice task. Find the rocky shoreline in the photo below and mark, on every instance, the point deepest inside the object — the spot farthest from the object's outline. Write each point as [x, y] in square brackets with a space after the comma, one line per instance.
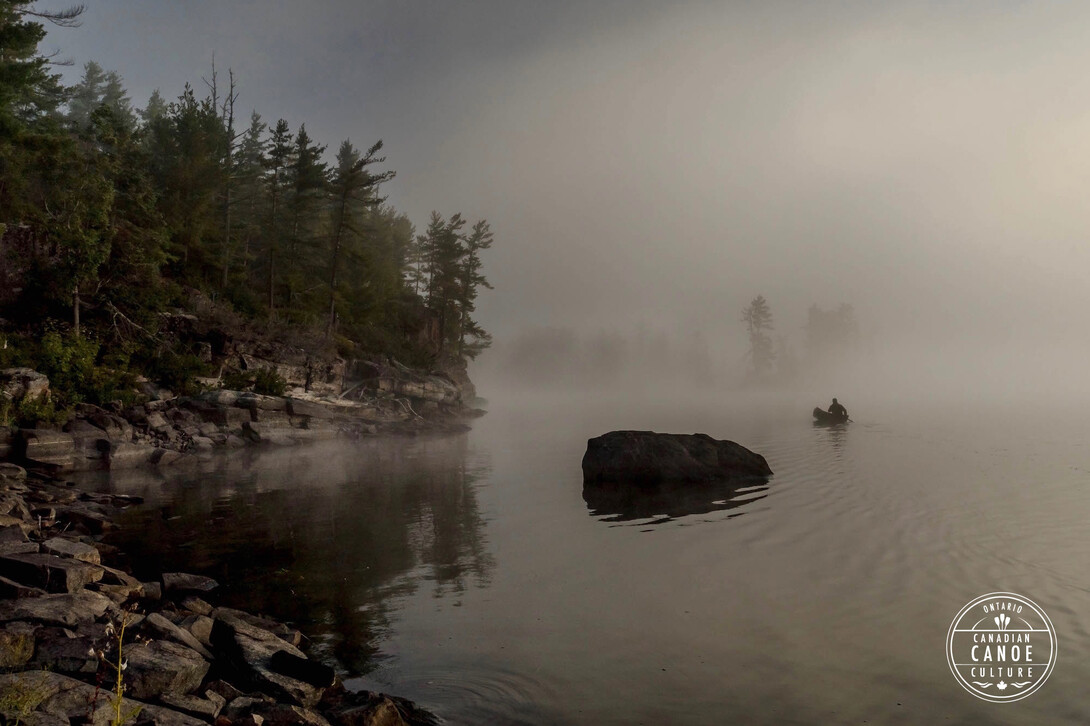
[68, 606]
[167, 428]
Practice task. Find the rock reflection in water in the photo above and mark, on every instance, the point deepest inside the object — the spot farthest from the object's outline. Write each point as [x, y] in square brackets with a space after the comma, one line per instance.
[668, 501]
[325, 536]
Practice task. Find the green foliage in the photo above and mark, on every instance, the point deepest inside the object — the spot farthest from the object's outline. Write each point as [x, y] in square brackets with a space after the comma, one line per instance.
[40, 411]
[346, 347]
[69, 362]
[234, 380]
[177, 371]
[120, 211]
[269, 383]
[75, 376]
[109, 385]
[450, 263]
[265, 381]
[21, 696]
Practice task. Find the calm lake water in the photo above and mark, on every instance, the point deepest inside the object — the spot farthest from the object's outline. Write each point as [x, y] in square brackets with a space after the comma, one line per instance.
[470, 573]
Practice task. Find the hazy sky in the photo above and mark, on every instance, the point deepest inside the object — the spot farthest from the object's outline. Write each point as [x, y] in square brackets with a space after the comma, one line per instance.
[665, 162]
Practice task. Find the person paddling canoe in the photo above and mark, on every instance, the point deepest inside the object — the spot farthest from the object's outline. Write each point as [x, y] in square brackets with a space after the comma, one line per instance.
[838, 411]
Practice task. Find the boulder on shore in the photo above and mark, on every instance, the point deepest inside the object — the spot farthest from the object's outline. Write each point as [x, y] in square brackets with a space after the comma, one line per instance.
[646, 457]
[19, 383]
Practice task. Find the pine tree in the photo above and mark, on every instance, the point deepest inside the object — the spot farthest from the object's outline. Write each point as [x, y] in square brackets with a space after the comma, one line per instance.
[442, 248]
[249, 173]
[156, 108]
[758, 319]
[309, 179]
[354, 192]
[86, 95]
[472, 338]
[185, 151]
[28, 92]
[278, 161]
[230, 173]
[130, 279]
[116, 98]
[98, 88]
[29, 97]
[74, 217]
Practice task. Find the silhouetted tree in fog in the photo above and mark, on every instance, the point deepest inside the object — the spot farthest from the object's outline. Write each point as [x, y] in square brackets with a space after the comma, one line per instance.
[758, 319]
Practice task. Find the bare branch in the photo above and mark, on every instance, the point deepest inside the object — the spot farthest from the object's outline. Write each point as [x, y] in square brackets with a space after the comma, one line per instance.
[64, 18]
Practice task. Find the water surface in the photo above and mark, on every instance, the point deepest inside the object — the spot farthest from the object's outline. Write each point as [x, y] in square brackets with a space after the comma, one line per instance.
[471, 573]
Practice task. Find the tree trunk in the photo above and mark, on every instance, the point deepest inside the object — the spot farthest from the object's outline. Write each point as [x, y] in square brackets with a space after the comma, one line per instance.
[272, 301]
[333, 266]
[75, 309]
[272, 250]
[227, 237]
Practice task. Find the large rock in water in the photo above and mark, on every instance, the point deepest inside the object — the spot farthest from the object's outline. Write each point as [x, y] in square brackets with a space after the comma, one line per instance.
[646, 457]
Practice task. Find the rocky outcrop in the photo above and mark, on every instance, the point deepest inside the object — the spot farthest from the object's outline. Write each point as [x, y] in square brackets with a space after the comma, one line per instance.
[19, 383]
[49, 572]
[298, 368]
[161, 432]
[186, 662]
[45, 697]
[54, 450]
[390, 378]
[459, 376]
[162, 667]
[646, 457]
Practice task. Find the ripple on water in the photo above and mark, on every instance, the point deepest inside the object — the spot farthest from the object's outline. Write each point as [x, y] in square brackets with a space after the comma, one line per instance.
[476, 693]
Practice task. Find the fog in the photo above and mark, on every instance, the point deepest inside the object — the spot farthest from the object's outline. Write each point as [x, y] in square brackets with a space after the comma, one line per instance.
[653, 167]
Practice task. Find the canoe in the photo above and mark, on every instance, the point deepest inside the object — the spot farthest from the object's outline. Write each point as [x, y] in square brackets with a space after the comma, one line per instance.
[824, 417]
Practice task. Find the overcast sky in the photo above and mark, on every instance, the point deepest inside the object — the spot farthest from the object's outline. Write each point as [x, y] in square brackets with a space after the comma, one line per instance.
[665, 162]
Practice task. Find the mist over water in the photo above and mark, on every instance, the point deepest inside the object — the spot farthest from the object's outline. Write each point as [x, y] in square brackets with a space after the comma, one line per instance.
[648, 170]
[475, 575]
[657, 167]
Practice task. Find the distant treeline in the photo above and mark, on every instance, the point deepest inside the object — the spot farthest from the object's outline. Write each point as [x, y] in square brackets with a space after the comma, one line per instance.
[831, 336]
[548, 357]
[108, 213]
[556, 357]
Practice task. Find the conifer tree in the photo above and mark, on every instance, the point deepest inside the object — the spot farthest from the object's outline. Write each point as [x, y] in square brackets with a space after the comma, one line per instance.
[758, 319]
[278, 161]
[354, 192]
[472, 338]
[86, 95]
[156, 108]
[249, 174]
[305, 202]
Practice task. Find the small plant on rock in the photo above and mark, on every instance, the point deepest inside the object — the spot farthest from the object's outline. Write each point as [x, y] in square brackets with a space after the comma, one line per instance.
[40, 412]
[269, 383]
[20, 697]
[115, 633]
[234, 380]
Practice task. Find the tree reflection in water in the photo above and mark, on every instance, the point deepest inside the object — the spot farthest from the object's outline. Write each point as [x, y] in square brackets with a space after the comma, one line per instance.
[325, 536]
